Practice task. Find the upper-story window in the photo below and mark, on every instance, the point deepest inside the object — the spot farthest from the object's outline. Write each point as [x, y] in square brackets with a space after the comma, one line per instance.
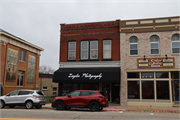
[106, 49]
[71, 50]
[175, 44]
[154, 44]
[22, 55]
[89, 50]
[133, 46]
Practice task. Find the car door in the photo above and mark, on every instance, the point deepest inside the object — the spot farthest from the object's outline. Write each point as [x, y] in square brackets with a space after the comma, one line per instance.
[22, 96]
[84, 98]
[12, 97]
[73, 99]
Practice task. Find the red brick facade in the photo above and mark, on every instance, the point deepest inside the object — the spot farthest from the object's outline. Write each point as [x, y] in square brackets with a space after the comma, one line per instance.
[84, 31]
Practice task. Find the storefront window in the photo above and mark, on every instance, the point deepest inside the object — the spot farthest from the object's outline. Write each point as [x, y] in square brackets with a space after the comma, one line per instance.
[133, 90]
[132, 75]
[176, 75]
[147, 75]
[162, 90]
[162, 75]
[67, 88]
[147, 89]
[89, 87]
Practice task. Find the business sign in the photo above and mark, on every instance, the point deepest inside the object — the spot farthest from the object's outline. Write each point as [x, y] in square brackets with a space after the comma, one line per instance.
[156, 62]
[85, 75]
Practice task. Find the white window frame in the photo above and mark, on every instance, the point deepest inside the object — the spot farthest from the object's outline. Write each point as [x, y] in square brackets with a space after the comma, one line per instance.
[21, 75]
[133, 49]
[93, 50]
[46, 88]
[107, 49]
[54, 91]
[85, 50]
[154, 48]
[178, 41]
[71, 50]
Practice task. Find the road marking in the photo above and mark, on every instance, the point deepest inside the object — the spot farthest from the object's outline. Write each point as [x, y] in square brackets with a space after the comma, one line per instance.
[151, 113]
[20, 119]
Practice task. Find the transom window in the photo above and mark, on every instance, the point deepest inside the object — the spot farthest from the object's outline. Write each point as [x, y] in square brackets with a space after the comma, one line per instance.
[154, 44]
[133, 46]
[22, 55]
[175, 44]
[106, 49]
[71, 50]
[87, 53]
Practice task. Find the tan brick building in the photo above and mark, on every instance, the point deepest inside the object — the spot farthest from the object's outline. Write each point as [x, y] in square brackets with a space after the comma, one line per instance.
[150, 61]
[46, 85]
[19, 63]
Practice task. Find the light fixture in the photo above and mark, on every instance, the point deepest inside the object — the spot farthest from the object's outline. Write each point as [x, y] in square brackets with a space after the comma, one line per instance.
[166, 56]
[144, 57]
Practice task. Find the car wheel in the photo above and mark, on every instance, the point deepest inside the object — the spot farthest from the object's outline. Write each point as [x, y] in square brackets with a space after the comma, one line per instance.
[2, 104]
[29, 105]
[59, 105]
[12, 106]
[100, 108]
[38, 106]
[94, 106]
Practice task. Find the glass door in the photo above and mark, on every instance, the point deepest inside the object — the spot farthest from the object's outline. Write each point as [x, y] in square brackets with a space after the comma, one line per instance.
[106, 88]
[176, 87]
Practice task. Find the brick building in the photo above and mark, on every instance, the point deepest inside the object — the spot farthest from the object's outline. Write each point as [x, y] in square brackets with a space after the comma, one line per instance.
[19, 63]
[89, 58]
[46, 85]
[150, 61]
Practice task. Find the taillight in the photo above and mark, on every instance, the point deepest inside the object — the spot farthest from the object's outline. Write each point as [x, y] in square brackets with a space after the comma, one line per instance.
[36, 96]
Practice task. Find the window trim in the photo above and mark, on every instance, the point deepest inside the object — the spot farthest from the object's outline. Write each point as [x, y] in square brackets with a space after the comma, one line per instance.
[172, 46]
[21, 75]
[154, 42]
[22, 55]
[110, 49]
[133, 49]
[54, 91]
[88, 50]
[71, 50]
[44, 89]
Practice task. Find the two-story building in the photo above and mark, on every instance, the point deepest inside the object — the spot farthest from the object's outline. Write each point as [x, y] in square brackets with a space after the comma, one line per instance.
[150, 61]
[19, 63]
[90, 58]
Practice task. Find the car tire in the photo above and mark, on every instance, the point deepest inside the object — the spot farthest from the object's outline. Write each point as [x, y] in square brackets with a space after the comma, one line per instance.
[2, 104]
[94, 106]
[60, 105]
[12, 106]
[100, 108]
[38, 106]
[29, 104]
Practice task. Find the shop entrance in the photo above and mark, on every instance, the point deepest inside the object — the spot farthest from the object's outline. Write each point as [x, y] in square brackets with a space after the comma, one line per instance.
[176, 87]
[106, 88]
[115, 93]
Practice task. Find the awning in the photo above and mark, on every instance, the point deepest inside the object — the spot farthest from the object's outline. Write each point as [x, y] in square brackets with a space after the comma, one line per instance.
[87, 75]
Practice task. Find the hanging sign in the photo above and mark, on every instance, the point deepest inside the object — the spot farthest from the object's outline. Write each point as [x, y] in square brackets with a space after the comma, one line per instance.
[156, 62]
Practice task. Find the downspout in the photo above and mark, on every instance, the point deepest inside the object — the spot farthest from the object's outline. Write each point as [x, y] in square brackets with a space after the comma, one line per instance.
[5, 65]
[35, 73]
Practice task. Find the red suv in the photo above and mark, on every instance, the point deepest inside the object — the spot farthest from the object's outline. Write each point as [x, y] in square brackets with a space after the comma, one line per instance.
[94, 100]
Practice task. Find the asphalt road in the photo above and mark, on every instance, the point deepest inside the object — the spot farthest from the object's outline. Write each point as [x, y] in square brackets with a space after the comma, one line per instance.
[52, 114]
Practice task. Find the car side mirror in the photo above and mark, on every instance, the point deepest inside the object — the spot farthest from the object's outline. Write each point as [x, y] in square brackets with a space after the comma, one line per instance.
[69, 95]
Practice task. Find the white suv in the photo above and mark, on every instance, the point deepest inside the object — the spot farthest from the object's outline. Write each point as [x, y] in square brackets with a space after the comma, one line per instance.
[29, 98]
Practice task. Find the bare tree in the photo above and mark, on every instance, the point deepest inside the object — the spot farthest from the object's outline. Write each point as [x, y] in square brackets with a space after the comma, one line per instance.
[46, 69]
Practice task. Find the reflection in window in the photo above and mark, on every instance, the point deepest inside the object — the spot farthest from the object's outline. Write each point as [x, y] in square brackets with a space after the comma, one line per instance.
[147, 75]
[176, 75]
[106, 49]
[71, 50]
[147, 89]
[89, 86]
[67, 88]
[133, 46]
[133, 90]
[75, 93]
[154, 43]
[175, 44]
[133, 75]
[162, 90]
[162, 75]
[31, 69]
[93, 49]
[84, 49]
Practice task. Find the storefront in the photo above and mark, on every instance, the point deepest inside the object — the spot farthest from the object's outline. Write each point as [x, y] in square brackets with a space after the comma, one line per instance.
[106, 79]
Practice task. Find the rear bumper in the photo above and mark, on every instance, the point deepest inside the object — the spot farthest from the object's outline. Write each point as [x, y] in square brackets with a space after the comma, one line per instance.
[40, 103]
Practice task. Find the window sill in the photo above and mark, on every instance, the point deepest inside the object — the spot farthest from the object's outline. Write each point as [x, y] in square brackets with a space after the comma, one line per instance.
[89, 60]
[154, 54]
[107, 60]
[22, 61]
[177, 54]
[133, 55]
[70, 60]
[45, 89]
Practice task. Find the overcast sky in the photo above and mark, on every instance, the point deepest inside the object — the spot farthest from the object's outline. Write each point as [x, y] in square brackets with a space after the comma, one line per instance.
[38, 21]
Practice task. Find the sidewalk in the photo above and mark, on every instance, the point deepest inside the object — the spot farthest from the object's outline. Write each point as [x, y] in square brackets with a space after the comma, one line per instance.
[113, 107]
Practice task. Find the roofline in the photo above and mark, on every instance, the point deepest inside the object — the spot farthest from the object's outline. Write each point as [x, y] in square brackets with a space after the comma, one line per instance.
[2, 32]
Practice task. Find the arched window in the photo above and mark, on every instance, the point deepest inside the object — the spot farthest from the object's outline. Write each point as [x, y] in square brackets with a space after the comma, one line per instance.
[133, 46]
[154, 44]
[175, 44]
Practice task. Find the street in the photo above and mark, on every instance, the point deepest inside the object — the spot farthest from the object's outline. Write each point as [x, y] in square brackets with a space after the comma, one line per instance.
[21, 113]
